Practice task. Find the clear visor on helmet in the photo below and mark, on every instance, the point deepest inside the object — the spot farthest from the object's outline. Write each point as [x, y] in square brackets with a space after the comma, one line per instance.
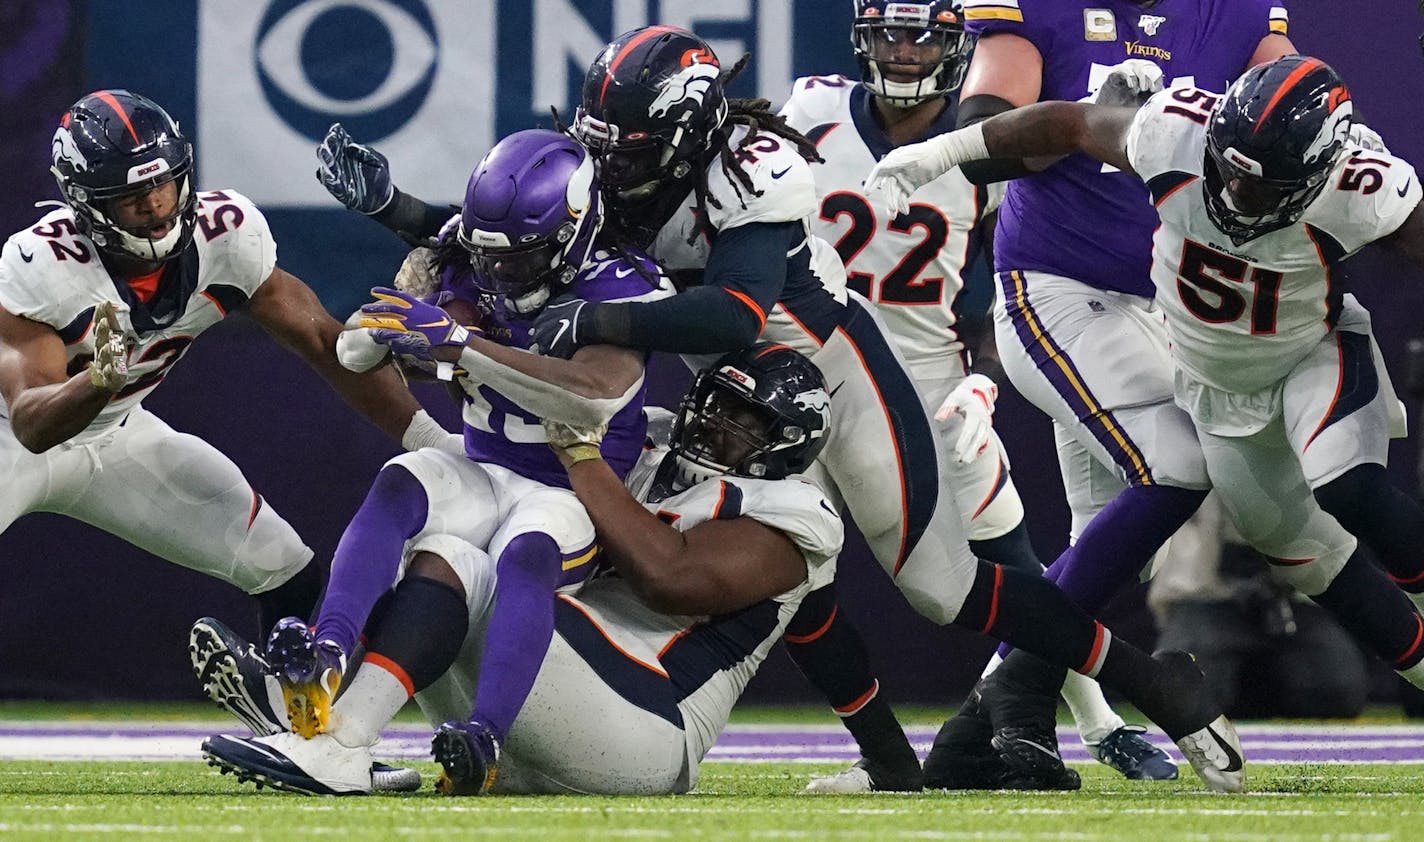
[514, 271]
[904, 53]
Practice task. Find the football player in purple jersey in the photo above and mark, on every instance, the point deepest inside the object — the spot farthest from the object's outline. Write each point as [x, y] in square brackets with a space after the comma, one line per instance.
[1078, 332]
[528, 232]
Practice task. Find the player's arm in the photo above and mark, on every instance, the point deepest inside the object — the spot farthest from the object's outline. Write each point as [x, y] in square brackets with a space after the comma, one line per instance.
[1272, 47]
[586, 390]
[289, 311]
[1046, 128]
[1005, 73]
[1408, 239]
[745, 274]
[716, 567]
[47, 406]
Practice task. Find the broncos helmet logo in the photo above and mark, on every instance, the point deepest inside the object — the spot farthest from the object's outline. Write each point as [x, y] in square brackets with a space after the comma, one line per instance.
[1335, 131]
[817, 401]
[65, 149]
[690, 83]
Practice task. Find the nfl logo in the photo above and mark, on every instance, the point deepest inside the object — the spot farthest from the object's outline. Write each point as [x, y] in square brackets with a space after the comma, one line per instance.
[1149, 23]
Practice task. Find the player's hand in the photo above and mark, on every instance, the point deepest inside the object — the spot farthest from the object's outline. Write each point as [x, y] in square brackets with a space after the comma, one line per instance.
[1130, 83]
[1366, 138]
[973, 399]
[419, 273]
[908, 168]
[558, 329]
[410, 326]
[109, 371]
[356, 350]
[574, 444]
[356, 175]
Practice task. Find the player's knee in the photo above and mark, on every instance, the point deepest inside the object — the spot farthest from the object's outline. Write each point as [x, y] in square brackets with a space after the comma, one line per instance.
[1313, 576]
[1354, 492]
[456, 563]
[270, 554]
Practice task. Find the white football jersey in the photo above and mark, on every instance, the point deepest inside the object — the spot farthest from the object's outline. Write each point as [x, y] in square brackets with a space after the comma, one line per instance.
[1242, 316]
[783, 191]
[711, 659]
[910, 266]
[51, 273]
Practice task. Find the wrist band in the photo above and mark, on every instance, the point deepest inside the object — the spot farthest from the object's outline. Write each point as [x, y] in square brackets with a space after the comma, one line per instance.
[582, 453]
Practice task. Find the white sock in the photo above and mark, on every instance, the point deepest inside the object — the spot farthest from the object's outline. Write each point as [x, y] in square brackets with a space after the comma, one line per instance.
[1091, 711]
[368, 702]
[992, 665]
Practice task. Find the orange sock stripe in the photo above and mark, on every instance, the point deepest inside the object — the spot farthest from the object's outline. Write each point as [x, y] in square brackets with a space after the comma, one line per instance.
[994, 600]
[854, 707]
[1091, 666]
[376, 659]
[1413, 647]
[807, 638]
[1399, 580]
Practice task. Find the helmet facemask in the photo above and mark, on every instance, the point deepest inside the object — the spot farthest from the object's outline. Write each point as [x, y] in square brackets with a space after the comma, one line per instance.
[904, 62]
[721, 430]
[1246, 204]
[100, 211]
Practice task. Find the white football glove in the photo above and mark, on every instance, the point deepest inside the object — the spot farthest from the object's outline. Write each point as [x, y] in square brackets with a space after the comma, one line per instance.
[109, 370]
[1129, 83]
[356, 350]
[973, 399]
[418, 275]
[1367, 138]
[908, 168]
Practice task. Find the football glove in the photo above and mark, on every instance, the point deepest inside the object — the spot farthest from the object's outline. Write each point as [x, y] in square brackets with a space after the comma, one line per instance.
[109, 371]
[906, 169]
[356, 175]
[556, 330]
[574, 444]
[973, 399]
[419, 274]
[1129, 83]
[409, 326]
[356, 350]
[1366, 138]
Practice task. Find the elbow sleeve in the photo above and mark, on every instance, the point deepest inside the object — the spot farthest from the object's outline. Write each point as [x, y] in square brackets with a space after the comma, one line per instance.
[977, 109]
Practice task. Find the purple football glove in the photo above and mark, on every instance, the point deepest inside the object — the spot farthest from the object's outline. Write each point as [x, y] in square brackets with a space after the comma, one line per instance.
[410, 326]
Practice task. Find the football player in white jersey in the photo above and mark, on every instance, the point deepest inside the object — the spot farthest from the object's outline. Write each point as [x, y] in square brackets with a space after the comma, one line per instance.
[1261, 192]
[644, 666]
[98, 301]
[729, 203]
[912, 58]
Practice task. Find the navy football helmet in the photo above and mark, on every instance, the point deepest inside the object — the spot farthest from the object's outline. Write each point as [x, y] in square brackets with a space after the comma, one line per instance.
[1270, 144]
[112, 145]
[651, 103]
[761, 412]
[530, 216]
[909, 52]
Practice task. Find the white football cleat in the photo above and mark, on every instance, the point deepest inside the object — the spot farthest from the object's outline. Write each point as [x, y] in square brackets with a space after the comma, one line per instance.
[851, 781]
[286, 761]
[1215, 753]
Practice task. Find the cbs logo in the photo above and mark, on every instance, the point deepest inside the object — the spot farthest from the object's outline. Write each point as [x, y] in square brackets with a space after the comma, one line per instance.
[369, 64]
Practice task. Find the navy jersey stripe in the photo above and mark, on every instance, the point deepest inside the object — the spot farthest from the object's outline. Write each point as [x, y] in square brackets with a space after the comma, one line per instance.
[1359, 382]
[1162, 186]
[227, 297]
[914, 440]
[729, 507]
[76, 330]
[635, 683]
[719, 644]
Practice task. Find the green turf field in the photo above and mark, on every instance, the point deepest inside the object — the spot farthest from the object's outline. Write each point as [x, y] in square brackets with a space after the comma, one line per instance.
[734, 801]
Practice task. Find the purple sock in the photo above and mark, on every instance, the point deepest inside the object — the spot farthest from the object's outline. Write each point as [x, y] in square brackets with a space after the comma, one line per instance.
[1118, 542]
[520, 627]
[369, 554]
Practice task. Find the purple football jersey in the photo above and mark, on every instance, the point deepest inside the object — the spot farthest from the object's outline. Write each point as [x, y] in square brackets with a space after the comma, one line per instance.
[499, 431]
[1075, 219]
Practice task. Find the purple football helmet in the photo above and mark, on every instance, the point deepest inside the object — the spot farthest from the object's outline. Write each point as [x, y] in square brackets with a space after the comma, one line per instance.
[530, 216]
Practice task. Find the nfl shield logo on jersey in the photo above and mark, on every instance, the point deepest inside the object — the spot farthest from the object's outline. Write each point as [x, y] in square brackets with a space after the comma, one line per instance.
[1149, 23]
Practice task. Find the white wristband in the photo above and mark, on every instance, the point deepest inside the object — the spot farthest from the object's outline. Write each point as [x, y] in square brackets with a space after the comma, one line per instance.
[423, 431]
[961, 146]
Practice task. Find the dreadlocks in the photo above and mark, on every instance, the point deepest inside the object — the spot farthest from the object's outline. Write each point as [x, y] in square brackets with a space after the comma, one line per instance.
[757, 116]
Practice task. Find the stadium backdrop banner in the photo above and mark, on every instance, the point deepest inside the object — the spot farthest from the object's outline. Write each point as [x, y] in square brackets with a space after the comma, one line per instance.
[434, 83]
